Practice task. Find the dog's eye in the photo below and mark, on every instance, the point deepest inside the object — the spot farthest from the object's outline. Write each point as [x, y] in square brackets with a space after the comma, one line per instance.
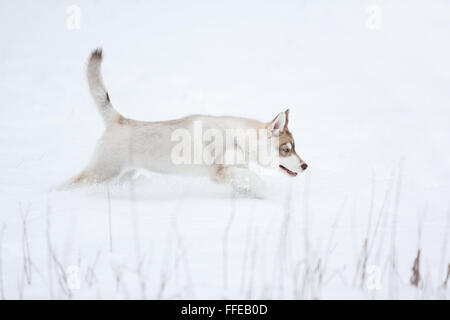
[286, 150]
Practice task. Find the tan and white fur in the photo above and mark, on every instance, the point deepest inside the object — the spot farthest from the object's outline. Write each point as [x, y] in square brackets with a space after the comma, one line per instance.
[127, 145]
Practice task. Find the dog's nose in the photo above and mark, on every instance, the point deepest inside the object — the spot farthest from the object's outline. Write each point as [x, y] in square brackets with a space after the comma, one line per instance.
[304, 166]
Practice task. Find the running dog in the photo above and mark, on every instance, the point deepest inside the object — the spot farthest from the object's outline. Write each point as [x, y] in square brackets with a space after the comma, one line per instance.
[128, 145]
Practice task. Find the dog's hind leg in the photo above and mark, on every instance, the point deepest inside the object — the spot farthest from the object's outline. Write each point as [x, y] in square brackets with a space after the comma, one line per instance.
[89, 176]
[106, 164]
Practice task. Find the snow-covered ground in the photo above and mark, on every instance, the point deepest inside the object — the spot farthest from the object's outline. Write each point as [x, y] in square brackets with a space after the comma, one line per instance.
[368, 87]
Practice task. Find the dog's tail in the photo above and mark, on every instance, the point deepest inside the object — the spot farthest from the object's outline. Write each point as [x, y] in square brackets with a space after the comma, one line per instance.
[98, 90]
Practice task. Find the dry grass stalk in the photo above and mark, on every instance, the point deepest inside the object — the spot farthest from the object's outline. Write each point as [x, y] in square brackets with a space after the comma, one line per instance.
[447, 277]
[416, 278]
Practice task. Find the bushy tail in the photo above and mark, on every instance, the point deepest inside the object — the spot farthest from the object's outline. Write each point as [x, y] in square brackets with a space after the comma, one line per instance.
[98, 90]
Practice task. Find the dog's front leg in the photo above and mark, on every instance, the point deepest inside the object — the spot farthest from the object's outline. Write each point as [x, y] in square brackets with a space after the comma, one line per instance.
[243, 180]
[247, 182]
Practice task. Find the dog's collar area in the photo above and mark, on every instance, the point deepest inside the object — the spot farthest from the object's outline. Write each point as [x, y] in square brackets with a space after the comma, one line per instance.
[291, 173]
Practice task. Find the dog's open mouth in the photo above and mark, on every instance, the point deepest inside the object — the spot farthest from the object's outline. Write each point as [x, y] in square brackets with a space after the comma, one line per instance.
[291, 173]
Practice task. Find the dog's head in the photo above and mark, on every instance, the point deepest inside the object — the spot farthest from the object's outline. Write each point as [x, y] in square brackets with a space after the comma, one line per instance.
[289, 160]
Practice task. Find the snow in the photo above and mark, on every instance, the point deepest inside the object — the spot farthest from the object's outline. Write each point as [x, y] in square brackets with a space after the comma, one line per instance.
[370, 113]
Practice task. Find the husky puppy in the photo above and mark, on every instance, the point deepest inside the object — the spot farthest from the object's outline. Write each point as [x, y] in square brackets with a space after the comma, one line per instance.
[128, 145]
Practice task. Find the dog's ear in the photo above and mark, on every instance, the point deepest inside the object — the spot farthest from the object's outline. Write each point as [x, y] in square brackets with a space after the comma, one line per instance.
[278, 124]
[287, 117]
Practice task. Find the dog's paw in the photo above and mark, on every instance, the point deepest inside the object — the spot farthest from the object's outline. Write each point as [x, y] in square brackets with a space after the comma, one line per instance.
[249, 185]
[258, 191]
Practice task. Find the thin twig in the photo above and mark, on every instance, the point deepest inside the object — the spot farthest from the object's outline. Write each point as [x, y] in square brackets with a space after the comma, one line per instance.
[2, 291]
[225, 241]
